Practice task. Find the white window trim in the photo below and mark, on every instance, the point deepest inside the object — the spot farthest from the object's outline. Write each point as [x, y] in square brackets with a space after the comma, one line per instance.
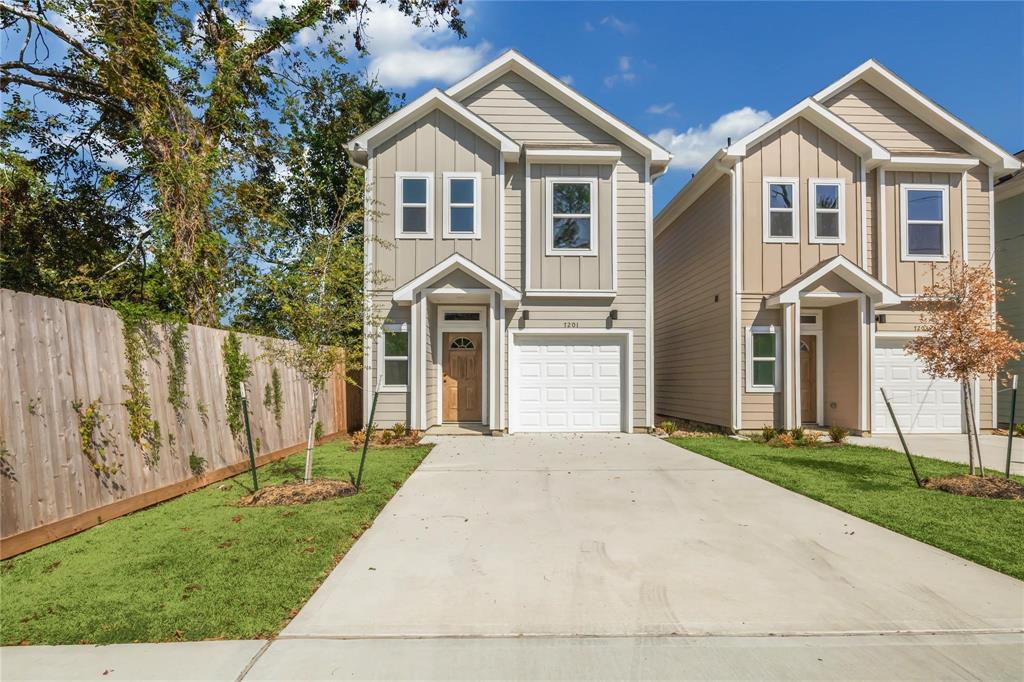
[447, 220]
[812, 210]
[549, 217]
[904, 222]
[766, 212]
[767, 329]
[399, 203]
[393, 327]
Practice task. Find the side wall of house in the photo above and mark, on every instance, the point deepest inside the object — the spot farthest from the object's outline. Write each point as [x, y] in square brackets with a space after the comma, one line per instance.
[1010, 264]
[692, 267]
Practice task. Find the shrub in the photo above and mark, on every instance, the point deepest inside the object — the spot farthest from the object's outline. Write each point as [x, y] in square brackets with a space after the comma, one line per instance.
[668, 426]
[811, 439]
[386, 436]
[767, 433]
[782, 440]
[400, 430]
[1019, 428]
[838, 434]
[798, 434]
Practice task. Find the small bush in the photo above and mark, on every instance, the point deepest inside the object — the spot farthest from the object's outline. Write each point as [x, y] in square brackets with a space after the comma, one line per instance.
[782, 440]
[1019, 428]
[811, 439]
[386, 436]
[838, 434]
[668, 426]
[798, 434]
[400, 430]
[767, 433]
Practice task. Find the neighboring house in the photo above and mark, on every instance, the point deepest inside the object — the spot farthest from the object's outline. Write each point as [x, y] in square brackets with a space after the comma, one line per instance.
[515, 227]
[1010, 265]
[784, 269]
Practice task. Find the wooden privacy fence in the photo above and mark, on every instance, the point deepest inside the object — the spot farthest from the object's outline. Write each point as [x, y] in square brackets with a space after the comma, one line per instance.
[69, 460]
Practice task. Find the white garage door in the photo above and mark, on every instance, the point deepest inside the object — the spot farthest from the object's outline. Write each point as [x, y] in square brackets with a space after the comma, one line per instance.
[565, 383]
[922, 404]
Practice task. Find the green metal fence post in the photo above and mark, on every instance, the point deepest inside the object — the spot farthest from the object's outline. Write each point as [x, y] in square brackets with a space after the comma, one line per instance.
[366, 441]
[1009, 435]
[902, 439]
[248, 437]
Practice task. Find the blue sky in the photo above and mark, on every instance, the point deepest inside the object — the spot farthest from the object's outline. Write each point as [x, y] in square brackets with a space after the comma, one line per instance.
[678, 68]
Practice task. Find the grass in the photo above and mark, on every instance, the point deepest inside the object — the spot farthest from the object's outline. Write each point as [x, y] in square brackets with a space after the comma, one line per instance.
[197, 567]
[875, 484]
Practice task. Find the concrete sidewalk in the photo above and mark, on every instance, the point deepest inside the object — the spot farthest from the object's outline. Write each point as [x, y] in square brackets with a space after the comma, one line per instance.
[952, 448]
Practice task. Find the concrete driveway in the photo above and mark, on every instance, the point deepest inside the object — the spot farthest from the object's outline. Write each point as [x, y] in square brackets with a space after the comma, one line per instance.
[953, 448]
[556, 540]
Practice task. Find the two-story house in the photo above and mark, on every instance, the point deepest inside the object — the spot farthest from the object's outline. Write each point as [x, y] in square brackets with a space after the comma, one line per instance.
[511, 223]
[784, 270]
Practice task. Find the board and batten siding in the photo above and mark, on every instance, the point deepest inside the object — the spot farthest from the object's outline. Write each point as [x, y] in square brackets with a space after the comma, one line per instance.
[798, 150]
[436, 144]
[692, 266]
[876, 115]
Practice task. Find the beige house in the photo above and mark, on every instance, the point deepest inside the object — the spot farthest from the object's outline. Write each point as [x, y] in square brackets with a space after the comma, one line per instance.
[1009, 211]
[514, 230]
[784, 270]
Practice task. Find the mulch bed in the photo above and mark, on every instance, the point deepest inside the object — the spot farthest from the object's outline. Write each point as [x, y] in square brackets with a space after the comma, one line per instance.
[297, 493]
[995, 487]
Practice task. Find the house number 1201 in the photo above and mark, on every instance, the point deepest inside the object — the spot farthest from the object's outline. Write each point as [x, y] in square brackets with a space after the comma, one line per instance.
[571, 325]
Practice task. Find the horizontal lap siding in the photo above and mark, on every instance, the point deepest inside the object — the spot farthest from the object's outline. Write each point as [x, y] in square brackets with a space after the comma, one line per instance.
[886, 122]
[979, 227]
[691, 328]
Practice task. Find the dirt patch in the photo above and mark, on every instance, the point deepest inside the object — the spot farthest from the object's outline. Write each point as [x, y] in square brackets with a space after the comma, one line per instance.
[977, 486]
[297, 493]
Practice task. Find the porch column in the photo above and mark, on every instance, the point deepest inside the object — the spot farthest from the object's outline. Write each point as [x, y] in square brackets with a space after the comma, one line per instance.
[865, 359]
[790, 337]
[797, 403]
[492, 362]
[416, 363]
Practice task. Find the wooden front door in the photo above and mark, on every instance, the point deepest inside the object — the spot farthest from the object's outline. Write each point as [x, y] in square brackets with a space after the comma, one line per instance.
[809, 379]
[462, 382]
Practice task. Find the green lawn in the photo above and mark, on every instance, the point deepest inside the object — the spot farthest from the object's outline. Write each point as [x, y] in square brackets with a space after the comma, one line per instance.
[197, 567]
[876, 484]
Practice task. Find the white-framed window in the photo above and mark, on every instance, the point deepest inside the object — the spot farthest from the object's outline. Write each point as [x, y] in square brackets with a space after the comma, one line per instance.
[572, 217]
[924, 223]
[763, 344]
[827, 210]
[394, 356]
[462, 205]
[414, 207]
[781, 210]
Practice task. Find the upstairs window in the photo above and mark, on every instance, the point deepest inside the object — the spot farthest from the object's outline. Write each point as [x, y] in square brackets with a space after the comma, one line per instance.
[781, 217]
[572, 222]
[925, 222]
[462, 205]
[414, 215]
[762, 359]
[395, 356]
[827, 206]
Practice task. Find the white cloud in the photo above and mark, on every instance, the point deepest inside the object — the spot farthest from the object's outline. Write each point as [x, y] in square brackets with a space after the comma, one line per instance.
[567, 79]
[265, 9]
[692, 149]
[661, 108]
[624, 74]
[616, 24]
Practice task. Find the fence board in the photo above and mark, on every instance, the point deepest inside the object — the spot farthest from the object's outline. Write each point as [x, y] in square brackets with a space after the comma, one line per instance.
[55, 352]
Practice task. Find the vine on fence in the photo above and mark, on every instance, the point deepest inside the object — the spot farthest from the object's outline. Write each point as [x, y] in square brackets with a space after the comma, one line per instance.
[178, 341]
[273, 395]
[139, 344]
[239, 369]
[96, 442]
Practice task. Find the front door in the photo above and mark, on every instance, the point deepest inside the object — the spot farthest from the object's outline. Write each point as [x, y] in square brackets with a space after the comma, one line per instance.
[809, 379]
[462, 382]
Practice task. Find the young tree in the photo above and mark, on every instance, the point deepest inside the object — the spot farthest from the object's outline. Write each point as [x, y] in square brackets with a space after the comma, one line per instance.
[964, 337]
[182, 90]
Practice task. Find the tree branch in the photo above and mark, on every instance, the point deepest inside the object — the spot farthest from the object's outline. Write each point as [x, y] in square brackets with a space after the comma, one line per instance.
[60, 90]
[42, 22]
[49, 73]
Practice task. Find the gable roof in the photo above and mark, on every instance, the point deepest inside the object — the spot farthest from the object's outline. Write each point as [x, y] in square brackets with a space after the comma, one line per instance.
[454, 262]
[845, 268]
[824, 119]
[431, 100]
[901, 92]
[512, 61]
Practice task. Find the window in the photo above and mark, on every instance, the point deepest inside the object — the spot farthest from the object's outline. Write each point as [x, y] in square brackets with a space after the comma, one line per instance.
[461, 317]
[827, 206]
[395, 355]
[462, 205]
[462, 343]
[925, 227]
[414, 217]
[572, 225]
[781, 217]
[762, 359]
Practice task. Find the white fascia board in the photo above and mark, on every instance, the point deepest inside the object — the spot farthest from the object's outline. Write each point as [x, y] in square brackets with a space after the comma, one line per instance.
[691, 191]
[574, 156]
[514, 61]
[1010, 188]
[857, 141]
[849, 271]
[422, 105]
[935, 164]
[456, 262]
[901, 92]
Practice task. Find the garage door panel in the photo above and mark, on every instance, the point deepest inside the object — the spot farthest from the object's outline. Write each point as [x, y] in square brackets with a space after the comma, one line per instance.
[566, 384]
[922, 403]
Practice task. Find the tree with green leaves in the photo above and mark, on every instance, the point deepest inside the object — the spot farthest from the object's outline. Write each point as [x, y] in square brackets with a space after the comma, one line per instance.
[183, 92]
